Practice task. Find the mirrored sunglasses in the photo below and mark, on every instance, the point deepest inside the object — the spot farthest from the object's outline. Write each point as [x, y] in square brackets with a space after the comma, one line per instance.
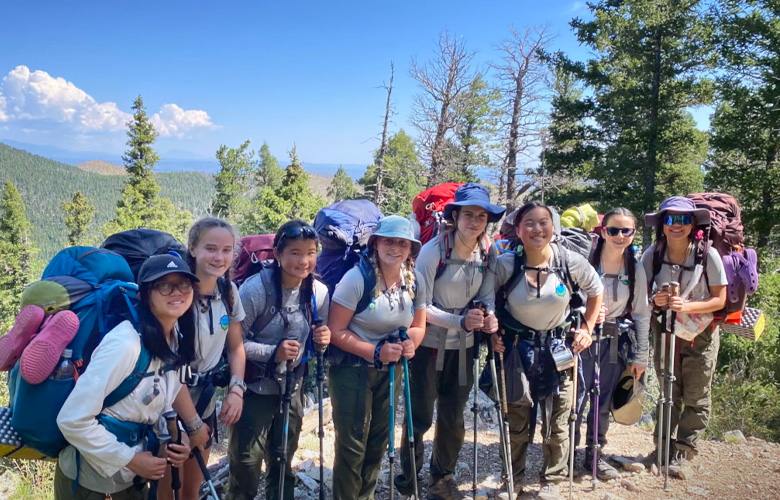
[682, 219]
[295, 232]
[625, 231]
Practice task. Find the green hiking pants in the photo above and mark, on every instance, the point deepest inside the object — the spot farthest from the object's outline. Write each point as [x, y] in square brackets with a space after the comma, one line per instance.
[359, 445]
[555, 449]
[258, 436]
[440, 389]
[694, 367]
[63, 490]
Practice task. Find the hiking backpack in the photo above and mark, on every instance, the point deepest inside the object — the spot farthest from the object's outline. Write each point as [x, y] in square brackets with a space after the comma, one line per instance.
[252, 251]
[428, 206]
[343, 229]
[740, 263]
[98, 286]
[137, 245]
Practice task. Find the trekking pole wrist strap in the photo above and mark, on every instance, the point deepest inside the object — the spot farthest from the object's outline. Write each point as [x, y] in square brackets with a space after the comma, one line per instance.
[377, 350]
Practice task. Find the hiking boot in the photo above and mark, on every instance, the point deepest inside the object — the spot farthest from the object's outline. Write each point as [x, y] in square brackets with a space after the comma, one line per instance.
[548, 491]
[446, 489]
[40, 358]
[13, 343]
[604, 471]
[680, 465]
[405, 491]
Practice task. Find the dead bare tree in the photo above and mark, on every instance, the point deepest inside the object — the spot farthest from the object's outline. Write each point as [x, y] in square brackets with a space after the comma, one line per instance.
[443, 81]
[524, 83]
[379, 197]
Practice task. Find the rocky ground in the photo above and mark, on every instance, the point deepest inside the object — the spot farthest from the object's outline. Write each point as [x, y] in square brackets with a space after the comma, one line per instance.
[746, 470]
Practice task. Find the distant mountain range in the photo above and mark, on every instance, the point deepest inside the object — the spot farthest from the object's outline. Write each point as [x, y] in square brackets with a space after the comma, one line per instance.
[172, 161]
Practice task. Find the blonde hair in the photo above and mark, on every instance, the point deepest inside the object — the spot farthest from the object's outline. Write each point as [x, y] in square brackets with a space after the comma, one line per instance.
[407, 275]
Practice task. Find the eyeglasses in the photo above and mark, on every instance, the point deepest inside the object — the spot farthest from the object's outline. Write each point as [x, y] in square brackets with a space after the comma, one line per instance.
[625, 231]
[165, 288]
[294, 232]
[682, 219]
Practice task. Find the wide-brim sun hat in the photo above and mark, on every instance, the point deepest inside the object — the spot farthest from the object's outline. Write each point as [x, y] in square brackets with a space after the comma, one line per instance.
[395, 226]
[627, 399]
[473, 194]
[157, 266]
[680, 205]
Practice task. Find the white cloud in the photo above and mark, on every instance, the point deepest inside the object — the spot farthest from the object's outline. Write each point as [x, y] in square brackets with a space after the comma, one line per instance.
[38, 100]
[173, 121]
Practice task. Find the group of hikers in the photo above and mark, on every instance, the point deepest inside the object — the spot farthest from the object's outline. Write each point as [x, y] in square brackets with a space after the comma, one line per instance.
[560, 324]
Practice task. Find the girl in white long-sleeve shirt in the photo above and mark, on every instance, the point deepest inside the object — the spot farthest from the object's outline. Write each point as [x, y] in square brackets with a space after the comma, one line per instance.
[103, 463]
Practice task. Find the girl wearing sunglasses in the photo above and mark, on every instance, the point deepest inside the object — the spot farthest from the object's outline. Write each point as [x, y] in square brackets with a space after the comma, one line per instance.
[678, 255]
[109, 446]
[281, 303]
[625, 298]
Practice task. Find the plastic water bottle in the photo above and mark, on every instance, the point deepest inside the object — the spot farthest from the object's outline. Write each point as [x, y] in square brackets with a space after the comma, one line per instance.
[65, 369]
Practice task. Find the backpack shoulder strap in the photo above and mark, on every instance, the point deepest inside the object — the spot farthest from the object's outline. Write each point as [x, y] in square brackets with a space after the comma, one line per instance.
[270, 310]
[128, 385]
[369, 282]
[444, 253]
[517, 274]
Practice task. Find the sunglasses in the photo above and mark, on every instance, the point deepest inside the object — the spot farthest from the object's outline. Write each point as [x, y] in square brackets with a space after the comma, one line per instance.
[295, 232]
[684, 220]
[165, 288]
[625, 231]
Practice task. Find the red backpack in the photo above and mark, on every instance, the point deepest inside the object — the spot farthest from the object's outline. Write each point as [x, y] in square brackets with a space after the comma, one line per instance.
[252, 251]
[428, 205]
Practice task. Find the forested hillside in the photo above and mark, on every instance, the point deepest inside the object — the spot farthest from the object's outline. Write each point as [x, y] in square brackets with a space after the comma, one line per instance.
[45, 184]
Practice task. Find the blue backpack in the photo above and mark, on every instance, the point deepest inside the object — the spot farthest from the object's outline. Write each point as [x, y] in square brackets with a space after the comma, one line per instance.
[102, 293]
[343, 229]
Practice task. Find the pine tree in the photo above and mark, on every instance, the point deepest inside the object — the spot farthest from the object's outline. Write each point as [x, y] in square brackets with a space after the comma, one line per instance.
[269, 173]
[16, 253]
[140, 158]
[236, 167]
[79, 215]
[342, 187]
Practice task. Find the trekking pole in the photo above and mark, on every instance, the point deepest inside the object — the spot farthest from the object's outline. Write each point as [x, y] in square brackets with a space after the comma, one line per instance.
[661, 388]
[321, 432]
[474, 406]
[391, 447]
[205, 471]
[674, 290]
[163, 439]
[286, 402]
[408, 404]
[506, 455]
[171, 421]
[573, 414]
[595, 409]
[505, 411]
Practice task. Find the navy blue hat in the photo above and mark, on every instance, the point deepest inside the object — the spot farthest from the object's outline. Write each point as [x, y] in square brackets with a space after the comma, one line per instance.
[157, 266]
[473, 194]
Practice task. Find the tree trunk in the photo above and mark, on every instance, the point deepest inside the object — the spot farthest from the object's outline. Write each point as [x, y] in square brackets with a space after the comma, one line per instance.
[512, 145]
[437, 162]
[652, 148]
[379, 198]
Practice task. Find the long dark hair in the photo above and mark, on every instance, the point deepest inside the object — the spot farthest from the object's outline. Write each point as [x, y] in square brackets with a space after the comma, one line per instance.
[293, 230]
[196, 233]
[153, 336]
[629, 260]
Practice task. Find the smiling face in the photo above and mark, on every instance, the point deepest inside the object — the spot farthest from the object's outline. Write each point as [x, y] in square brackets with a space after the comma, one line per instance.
[213, 253]
[618, 223]
[471, 221]
[393, 252]
[677, 233]
[535, 228]
[176, 303]
[297, 258]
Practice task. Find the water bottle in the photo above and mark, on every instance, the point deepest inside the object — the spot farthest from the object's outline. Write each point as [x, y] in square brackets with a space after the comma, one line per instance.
[65, 369]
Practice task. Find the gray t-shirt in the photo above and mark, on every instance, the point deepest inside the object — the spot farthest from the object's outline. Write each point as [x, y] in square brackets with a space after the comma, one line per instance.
[448, 296]
[716, 274]
[261, 345]
[384, 315]
[551, 308]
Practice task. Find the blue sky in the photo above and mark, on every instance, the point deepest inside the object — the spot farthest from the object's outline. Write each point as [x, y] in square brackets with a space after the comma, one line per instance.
[212, 73]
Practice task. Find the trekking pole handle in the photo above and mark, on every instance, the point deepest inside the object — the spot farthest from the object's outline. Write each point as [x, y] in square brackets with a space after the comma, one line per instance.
[172, 423]
[403, 333]
[674, 288]
[317, 323]
[393, 339]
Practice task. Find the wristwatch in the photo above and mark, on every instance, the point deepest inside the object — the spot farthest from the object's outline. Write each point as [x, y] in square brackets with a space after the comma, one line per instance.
[237, 382]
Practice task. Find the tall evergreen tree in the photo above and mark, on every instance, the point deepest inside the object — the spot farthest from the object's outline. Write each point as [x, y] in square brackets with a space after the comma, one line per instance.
[236, 167]
[140, 157]
[476, 129]
[79, 215]
[269, 173]
[745, 136]
[16, 253]
[342, 187]
[649, 68]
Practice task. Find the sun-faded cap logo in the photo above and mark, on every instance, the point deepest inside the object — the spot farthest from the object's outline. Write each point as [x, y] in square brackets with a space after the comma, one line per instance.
[172, 264]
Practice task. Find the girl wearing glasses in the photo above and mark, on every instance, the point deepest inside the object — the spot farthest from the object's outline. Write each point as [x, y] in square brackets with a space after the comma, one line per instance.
[211, 246]
[625, 298]
[106, 451]
[358, 379]
[281, 303]
[678, 255]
